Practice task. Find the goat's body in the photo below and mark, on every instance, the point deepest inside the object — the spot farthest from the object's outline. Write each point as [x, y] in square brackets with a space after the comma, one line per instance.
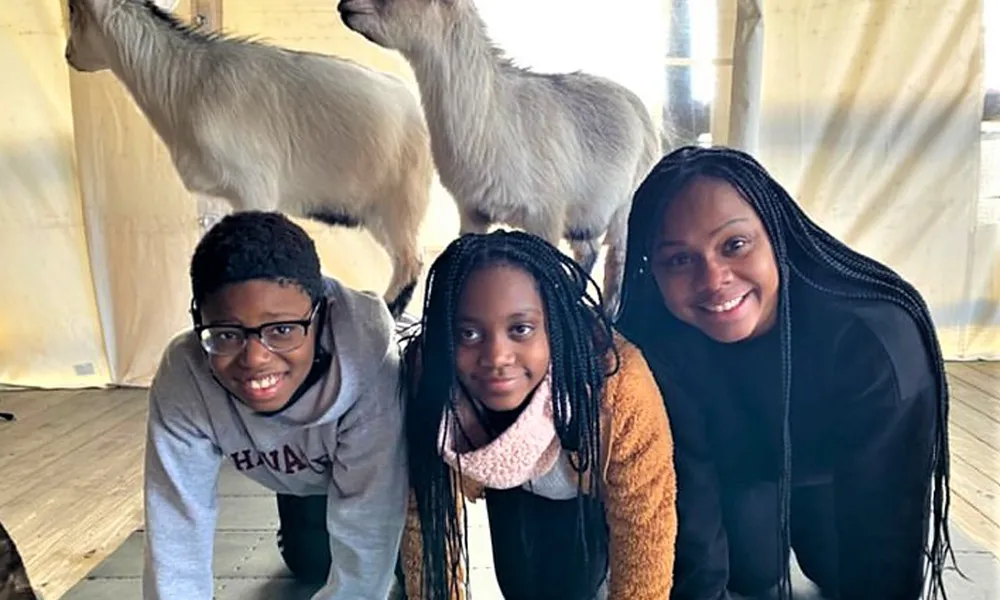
[568, 139]
[268, 128]
[558, 155]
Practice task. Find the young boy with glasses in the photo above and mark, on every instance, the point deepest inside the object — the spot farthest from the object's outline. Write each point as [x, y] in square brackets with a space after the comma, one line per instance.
[292, 378]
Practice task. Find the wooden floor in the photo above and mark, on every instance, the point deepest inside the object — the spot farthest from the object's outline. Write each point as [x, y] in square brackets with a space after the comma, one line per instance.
[70, 478]
[71, 471]
[974, 425]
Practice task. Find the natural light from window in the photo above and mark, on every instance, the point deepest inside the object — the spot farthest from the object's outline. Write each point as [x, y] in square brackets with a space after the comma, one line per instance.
[704, 49]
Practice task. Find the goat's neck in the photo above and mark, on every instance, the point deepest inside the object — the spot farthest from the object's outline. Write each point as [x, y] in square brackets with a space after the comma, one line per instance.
[459, 79]
[158, 66]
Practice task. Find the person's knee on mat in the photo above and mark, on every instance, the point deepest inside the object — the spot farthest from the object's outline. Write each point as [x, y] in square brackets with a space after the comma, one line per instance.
[302, 537]
[303, 540]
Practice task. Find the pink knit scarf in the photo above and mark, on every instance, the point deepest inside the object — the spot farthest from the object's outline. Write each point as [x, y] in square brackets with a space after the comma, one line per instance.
[526, 450]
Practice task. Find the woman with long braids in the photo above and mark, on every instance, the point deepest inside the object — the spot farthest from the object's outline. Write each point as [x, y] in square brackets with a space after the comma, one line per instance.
[805, 387]
[519, 392]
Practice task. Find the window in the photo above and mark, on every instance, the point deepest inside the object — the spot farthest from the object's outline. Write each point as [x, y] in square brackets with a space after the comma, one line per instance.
[693, 65]
[989, 158]
[691, 71]
[991, 39]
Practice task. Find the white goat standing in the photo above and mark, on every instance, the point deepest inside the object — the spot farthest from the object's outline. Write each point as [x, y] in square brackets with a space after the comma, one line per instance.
[558, 155]
[268, 128]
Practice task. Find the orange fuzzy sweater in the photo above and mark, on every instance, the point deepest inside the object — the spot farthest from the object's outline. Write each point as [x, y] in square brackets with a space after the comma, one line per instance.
[639, 489]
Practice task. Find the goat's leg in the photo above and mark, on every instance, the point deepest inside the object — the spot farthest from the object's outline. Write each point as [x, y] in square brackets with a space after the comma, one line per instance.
[585, 253]
[549, 228]
[472, 221]
[260, 193]
[614, 264]
[398, 232]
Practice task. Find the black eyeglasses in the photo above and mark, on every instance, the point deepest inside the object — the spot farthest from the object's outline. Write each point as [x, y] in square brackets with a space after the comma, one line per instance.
[276, 336]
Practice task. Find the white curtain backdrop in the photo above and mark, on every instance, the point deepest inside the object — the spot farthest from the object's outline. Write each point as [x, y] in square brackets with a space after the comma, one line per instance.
[868, 111]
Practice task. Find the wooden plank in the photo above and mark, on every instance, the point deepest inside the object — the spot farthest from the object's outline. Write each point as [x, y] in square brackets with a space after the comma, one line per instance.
[207, 13]
[84, 506]
[974, 524]
[28, 403]
[975, 399]
[35, 431]
[44, 439]
[974, 451]
[990, 368]
[985, 381]
[977, 488]
[80, 546]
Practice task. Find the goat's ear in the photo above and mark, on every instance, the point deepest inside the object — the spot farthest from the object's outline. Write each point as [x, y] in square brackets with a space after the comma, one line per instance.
[167, 5]
[101, 8]
[98, 8]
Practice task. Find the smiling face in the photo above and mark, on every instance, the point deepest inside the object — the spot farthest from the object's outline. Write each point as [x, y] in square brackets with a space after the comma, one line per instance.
[262, 379]
[714, 264]
[502, 345]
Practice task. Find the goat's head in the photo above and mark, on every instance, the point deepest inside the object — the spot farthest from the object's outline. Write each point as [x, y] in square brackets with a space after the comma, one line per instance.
[399, 24]
[85, 49]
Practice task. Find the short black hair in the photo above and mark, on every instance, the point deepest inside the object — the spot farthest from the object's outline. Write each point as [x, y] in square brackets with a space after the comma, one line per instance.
[249, 245]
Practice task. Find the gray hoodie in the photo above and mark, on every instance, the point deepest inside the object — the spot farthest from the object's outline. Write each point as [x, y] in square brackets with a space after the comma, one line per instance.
[342, 438]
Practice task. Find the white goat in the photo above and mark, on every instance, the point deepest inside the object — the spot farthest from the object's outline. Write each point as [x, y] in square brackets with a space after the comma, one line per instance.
[558, 155]
[268, 128]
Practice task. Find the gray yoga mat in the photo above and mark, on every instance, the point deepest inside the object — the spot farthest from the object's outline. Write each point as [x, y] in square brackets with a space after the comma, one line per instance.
[247, 564]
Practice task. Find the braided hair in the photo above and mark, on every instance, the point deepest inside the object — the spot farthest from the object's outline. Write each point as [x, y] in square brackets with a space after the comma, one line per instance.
[582, 357]
[816, 258]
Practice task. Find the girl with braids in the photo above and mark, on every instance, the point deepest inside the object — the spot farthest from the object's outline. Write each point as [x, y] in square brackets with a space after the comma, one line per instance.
[804, 383]
[519, 392]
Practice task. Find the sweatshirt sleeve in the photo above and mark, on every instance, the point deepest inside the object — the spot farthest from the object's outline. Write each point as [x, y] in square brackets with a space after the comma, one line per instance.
[640, 485]
[885, 437]
[701, 567]
[181, 473]
[368, 492]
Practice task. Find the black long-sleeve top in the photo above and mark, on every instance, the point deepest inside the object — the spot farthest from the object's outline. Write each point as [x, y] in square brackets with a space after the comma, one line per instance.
[863, 411]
